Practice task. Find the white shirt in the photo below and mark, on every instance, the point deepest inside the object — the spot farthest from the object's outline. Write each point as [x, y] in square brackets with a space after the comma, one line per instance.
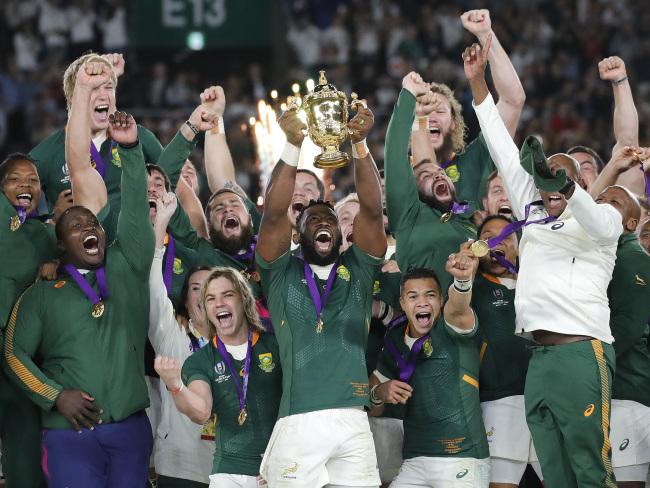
[564, 266]
[179, 451]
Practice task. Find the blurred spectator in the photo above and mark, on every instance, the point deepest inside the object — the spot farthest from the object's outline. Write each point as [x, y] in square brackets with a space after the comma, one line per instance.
[112, 23]
[304, 38]
[82, 27]
[53, 24]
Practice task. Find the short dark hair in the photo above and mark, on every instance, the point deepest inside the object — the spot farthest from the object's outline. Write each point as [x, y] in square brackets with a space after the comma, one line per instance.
[9, 161]
[591, 152]
[221, 191]
[419, 274]
[319, 183]
[490, 218]
[489, 179]
[58, 227]
[313, 203]
[181, 308]
[154, 167]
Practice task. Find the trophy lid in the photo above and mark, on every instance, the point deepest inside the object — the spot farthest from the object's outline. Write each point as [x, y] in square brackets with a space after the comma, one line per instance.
[323, 85]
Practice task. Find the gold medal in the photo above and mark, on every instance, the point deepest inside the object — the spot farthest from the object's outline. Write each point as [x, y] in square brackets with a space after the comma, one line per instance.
[97, 310]
[319, 326]
[14, 223]
[480, 248]
[445, 217]
[243, 415]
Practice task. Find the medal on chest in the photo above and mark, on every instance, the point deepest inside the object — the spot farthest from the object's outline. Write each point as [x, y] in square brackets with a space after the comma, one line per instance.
[98, 305]
[318, 299]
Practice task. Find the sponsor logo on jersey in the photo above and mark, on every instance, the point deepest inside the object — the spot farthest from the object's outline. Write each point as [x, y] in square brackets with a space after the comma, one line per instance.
[589, 410]
[343, 272]
[462, 474]
[178, 266]
[497, 293]
[289, 471]
[639, 281]
[266, 362]
[453, 173]
[624, 444]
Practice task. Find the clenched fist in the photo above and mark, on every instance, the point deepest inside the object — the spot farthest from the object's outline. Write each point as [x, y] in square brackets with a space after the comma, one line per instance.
[463, 264]
[414, 83]
[292, 127]
[214, 99]
[361, 124]
[93, 75]
[117, 62]
[169, 370]
[612, 69]
[122, 128]
[477, 22]
[394, 392]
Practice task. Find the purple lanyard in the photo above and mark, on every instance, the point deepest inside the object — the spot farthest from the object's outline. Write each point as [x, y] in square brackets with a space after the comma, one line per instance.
[406, 367]
[196, 342]
[241, 388]
[446, 164]
[85, 286]
[505, 263]
[400, 319]
[168, 272]
[646, 176]
[518, 224]
[459, 207]
[96, 157]
[319, 301]
[247, 257]
[23, 216]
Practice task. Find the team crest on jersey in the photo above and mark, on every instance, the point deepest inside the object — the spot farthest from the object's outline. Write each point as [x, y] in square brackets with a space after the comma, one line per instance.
[14, 223]
[376, 287]
[497, 293]
[220, 368]
[343, 272]
[453, 173]
[66, 173]
[115, 158]
[427, 348]
[266, 362]
[59, 284]
[178, 266]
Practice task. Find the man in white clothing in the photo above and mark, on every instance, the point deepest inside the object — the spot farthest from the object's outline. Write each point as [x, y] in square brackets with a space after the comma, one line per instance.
[566, 260]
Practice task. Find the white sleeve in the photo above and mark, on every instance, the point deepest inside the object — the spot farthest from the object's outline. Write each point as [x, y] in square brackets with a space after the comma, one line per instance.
[520, 186]
[164, 330]
[380, 377]
[600, 220]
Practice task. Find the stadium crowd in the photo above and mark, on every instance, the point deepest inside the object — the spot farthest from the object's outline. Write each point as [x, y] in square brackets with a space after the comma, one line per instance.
[475, 309]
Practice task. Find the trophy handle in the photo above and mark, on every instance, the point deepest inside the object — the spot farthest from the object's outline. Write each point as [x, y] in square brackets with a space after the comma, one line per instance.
[355, 102]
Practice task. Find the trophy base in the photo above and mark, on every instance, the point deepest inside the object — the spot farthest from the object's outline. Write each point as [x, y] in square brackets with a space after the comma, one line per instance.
[335, 159]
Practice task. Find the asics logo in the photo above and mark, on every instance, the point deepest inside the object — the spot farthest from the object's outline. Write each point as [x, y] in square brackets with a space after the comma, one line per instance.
[624, 444]
[462, 473]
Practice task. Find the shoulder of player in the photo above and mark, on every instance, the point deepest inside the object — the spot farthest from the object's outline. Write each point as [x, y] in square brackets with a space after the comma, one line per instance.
[56, 138]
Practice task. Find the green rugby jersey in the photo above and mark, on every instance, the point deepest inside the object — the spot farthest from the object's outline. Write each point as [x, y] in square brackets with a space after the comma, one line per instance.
[504, 356]
[326, 370]
[443, 417]
[184, 260]
[23, 250]
[629, 301]
[239, 448]
[386, 288]
[103, 356]
[423, 239]
[173, 157]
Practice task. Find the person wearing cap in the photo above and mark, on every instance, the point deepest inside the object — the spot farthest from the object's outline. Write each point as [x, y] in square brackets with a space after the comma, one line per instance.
[567, 260]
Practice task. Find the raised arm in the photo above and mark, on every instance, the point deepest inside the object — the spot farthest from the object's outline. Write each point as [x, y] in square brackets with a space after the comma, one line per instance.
[369, 222]
[88, 188]
[458, 311]
[623, 158]
[192, 207]
[275, 229]
[506, 81]
[421, 147]
[401, 187]
[503, 151]
[602, 222]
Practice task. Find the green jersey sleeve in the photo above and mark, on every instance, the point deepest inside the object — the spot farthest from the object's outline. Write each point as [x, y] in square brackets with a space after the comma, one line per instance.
[386, 365]
[173, 157]
[454, 333]
[197, 367]
[151, 147]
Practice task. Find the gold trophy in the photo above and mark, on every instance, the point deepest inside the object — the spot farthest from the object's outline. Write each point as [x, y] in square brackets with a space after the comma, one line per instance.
[327, 122]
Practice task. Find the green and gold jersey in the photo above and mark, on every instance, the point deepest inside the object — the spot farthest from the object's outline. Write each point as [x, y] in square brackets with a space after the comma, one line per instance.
[327, 369]
[102, 356]
[184, 260]
[629, 293]
[23, 247]
[386, 288]
[239, 448]
[504, 356]
[424, 238]
[443, 417]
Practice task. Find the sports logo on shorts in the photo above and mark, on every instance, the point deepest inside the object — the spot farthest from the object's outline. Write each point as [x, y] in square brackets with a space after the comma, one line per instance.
[462, 474]
[266, 362]
[624, 444]
[589, 410]
[220, 368]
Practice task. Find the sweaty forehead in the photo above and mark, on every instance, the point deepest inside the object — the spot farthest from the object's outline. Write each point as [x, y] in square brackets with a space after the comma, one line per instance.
[420, 285]
[225, 197]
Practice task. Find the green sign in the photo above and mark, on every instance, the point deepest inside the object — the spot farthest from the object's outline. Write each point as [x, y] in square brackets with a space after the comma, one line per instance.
[199, 24]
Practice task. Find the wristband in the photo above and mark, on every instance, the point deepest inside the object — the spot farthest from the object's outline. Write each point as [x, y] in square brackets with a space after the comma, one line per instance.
[383, 311]
[373, 399]
[175, 391]
[618, 82]
[290, 154]
[462, 286]
[220, 128]
[192, 127]
[390, 313]
[359, 149]
[420, 123]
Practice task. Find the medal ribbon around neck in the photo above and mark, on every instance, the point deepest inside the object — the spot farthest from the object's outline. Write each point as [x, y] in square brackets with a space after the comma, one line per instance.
[456, 208]
[96, 156]
[406, 367]
[168, 272]
[247, 257]
[482, 247]
[85, 286]
[23, 216]
[243, 387]
[318, 300]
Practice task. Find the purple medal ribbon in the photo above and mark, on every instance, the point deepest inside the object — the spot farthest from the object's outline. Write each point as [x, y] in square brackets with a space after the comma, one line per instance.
[406, 367]
[96, 157]
[400, 319]
[504, 262]
[168, 272]
[319, 301]
[247, 257]
[23, 216]
[446, 164]
[85, 286]
[227, 358]
[518, 224]
[459, 207]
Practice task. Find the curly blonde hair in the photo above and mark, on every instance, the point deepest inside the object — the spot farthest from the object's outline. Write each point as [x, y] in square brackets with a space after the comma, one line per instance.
[70, 75]
[242, 287]
[458, 132]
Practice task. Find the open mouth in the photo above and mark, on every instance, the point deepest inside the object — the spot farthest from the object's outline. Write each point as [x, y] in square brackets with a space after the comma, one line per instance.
[297, 207]
[441, 189]
[231, 223]
[423, 318]
[350, 237]
[24, 199]
[323, 240]
[102, 109]
[505, 210]
[434, 130]
[91, 244]
[555, 201]
[224, 319]
[152, 203]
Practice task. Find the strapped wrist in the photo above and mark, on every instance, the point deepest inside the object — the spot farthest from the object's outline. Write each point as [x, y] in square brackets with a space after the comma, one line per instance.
[462, 286]
[420, 122]
[290, 154]
[373, 398]
[618, 82]
[360, 149]
[220, 128]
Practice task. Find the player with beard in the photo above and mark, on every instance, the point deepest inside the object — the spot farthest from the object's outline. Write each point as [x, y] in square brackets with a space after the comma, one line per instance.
[439, 129]
[567, 257]
[88, 329]
[503, 357]
[427, 232]
[322, 436]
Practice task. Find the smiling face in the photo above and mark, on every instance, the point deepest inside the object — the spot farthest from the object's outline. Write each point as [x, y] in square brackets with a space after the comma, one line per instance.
[230, 223]
[554, 202]
[625, 203]
[434, 186]
[320, 235]
[496, 199]
[440, 123]
[102, 103]
[421, 301]
[305, 190]
[21, 184]
[81, 238]
[346, 214]
[224, 309]
[508, 248]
